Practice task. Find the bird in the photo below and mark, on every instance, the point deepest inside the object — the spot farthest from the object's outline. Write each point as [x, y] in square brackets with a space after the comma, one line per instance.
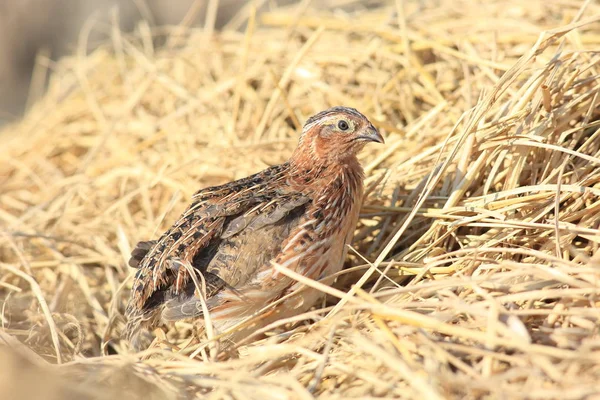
[219, 255]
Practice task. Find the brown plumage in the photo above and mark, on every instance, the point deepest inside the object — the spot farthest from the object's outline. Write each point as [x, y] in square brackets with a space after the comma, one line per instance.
[300, 214]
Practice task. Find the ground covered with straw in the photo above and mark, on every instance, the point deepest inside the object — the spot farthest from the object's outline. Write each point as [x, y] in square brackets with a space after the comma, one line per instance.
[474, 271]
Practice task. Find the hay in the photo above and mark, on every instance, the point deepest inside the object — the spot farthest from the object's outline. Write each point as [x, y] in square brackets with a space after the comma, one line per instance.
[475, 269]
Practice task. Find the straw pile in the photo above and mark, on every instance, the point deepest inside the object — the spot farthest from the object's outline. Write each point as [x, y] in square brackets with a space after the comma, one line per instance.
[475, 271]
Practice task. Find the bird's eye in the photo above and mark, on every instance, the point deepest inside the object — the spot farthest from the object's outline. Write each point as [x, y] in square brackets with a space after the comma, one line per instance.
[343, 125]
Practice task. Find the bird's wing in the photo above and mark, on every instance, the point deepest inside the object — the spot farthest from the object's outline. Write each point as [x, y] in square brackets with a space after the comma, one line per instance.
[246, 246]
[216, 212]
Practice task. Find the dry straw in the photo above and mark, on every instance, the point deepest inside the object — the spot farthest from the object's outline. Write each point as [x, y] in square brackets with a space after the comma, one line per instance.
[475, 271]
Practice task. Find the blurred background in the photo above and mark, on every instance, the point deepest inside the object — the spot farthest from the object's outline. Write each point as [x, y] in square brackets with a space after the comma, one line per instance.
[50, 29]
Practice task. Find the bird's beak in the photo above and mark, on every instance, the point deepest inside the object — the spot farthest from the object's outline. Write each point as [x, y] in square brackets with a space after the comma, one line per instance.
[371, 134]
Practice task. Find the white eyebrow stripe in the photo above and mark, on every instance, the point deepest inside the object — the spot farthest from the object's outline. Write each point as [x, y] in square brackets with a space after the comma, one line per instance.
[319, 121]
[329, 118]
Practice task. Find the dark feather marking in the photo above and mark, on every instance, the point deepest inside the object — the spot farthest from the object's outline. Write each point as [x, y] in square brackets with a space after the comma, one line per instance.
[139, 252]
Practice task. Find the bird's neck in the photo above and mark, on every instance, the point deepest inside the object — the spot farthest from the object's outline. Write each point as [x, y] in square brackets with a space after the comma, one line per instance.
[323, 175]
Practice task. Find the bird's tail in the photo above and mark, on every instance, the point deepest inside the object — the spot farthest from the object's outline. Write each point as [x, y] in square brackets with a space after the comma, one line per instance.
[136, 324]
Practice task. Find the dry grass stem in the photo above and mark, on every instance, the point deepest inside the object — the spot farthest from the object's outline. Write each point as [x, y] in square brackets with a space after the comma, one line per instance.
[474, 271]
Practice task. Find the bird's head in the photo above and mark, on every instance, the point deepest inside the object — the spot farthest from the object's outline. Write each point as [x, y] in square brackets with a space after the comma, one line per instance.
[335, 135]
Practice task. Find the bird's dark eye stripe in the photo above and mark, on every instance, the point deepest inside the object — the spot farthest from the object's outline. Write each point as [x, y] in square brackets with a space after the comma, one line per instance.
[343, 125]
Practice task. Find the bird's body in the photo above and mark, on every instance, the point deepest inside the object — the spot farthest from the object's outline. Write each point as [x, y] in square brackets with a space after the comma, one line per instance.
[300, 215]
